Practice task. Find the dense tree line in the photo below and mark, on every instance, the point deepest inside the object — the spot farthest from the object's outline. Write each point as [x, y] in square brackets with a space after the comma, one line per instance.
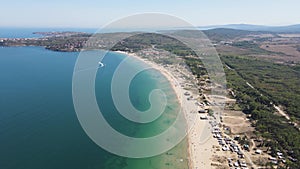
[278, 133]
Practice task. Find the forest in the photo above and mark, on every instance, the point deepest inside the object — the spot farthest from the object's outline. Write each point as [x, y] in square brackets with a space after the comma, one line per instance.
[273, 84]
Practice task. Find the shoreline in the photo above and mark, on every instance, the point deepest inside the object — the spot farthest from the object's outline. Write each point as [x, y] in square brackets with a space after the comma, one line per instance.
[175, 86]
[195, 150]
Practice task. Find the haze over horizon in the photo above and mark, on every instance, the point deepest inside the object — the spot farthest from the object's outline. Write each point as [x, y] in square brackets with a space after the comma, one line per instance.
[94, 14]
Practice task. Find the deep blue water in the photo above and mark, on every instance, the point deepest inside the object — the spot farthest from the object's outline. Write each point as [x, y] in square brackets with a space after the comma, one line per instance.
[38, 124]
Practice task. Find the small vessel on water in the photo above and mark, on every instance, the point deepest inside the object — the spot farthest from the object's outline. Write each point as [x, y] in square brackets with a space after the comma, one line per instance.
[101, 64]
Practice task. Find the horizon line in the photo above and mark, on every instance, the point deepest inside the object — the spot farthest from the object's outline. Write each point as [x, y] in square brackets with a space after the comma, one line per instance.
[200, 26]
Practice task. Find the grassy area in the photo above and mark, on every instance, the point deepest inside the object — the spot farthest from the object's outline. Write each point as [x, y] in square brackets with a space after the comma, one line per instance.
[253, 48]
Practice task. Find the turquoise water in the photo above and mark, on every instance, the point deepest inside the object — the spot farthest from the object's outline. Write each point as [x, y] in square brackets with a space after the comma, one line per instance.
[38, 124]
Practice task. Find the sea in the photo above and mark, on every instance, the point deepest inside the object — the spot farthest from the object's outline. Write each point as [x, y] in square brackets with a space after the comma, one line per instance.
[13, 32]
[39, 128]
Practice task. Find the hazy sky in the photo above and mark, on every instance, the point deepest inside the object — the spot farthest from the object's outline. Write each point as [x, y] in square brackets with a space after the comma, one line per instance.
[94, 13]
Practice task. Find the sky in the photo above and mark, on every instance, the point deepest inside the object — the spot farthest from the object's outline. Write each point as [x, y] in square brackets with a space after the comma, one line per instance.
[96, 13]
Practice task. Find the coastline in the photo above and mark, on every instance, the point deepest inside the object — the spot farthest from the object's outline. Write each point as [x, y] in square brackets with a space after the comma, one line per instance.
[196, 151]
[174, 84]
[203, 150]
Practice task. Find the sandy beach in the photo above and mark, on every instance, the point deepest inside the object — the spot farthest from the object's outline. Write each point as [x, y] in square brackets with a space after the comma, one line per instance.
[199, 149]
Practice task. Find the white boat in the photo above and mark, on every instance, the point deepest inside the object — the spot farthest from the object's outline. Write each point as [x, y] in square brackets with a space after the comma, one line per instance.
[100, 64]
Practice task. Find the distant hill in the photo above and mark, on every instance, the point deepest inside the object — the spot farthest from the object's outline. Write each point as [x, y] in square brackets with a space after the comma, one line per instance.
[228, 34]
[248, 27]
[219, 34]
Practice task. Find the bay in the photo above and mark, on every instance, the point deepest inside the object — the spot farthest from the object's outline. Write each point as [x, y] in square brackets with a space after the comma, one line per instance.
[38, 124]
